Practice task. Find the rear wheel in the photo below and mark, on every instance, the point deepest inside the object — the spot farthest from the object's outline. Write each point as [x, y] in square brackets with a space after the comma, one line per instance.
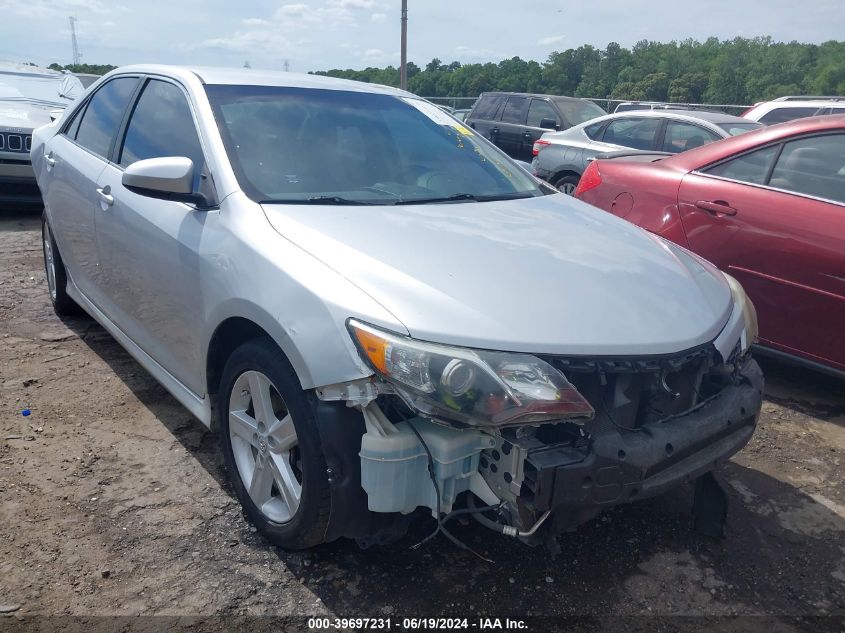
[567, 184]
[63, 305]
[272, 448]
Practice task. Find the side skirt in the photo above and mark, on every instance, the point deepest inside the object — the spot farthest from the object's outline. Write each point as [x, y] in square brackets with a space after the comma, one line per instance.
[199, 407]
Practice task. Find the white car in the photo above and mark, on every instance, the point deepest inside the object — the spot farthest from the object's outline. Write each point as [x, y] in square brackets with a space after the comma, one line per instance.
[29, 98]
[789, 108]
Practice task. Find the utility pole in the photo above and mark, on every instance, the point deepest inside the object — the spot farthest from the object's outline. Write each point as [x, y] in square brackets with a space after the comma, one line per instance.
[286, 66]
[403, 70]
[77, 56]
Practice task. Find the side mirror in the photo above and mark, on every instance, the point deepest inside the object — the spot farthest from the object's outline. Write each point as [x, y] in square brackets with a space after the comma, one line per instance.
[166, 178]
[55, 115]
[548, 124]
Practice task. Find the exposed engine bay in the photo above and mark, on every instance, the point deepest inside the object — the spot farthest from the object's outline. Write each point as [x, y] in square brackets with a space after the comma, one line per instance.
[657, 422]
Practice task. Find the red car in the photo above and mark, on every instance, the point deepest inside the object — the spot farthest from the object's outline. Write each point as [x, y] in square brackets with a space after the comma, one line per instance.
[767, 207]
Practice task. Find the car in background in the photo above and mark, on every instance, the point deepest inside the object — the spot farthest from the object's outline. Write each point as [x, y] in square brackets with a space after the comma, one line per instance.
[790, 108]
[561, 157]
[837, 107]
[629, 106]
[766, 207]
[29, 98]
[461, 114]
[86, 78]
[513, 121]
[389, 317]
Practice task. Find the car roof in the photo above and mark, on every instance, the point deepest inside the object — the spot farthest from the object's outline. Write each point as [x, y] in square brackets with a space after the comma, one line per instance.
[28, 70]
[258, 77]
[533, 94]
[712, 152]
[714, 119]
[774, 105]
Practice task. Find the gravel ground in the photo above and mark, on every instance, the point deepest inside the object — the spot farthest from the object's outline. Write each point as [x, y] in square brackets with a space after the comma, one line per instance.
[114, 501]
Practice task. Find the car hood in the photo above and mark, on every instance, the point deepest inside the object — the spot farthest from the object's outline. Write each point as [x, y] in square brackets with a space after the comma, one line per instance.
[24, 116]
[544, 275]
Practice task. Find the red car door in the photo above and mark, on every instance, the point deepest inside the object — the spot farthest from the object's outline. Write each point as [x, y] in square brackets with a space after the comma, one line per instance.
[774, 218]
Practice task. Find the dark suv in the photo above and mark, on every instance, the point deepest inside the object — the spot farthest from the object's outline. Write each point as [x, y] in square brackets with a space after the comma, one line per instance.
[513, 121]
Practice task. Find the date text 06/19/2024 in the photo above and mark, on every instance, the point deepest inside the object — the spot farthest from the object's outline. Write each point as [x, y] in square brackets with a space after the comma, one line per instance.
[417, 624]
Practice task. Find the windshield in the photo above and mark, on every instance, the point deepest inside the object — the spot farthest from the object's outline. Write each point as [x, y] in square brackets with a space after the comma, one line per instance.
[302, 145]
[735, 129]
[580, 111]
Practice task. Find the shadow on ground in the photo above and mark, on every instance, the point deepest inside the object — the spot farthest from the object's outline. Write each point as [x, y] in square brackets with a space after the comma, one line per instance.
[783, 550]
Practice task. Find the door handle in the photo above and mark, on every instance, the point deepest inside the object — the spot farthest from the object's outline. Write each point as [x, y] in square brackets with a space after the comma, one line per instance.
[716, 207]
[50, 160]
[494, 131]
[105, 195]
[528, 135]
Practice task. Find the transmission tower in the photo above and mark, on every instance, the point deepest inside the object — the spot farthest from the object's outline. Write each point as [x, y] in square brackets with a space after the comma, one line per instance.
[77, 56]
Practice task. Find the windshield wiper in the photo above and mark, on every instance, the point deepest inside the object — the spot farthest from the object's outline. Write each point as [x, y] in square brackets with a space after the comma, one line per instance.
[334, 200]
[315, 200]
[467, 196]
[457, 196]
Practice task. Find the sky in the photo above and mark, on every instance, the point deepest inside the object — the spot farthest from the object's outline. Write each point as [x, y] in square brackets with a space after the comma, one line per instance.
[324, 34]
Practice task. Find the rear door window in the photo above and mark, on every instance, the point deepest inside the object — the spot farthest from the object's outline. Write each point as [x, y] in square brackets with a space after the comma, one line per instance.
[681, 136]
[813, 166]
[539, 110]
[514, 110]
[103, 115]
[752, 167]
[636, 133]
[487, 107]
[779, 115]
[594, 131]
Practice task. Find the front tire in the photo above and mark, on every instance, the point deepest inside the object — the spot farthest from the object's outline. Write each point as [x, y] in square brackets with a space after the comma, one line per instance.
[54, 267]
[272, 448]
[567, 184]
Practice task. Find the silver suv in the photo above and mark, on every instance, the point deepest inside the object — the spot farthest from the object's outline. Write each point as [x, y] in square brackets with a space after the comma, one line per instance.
[380, 313]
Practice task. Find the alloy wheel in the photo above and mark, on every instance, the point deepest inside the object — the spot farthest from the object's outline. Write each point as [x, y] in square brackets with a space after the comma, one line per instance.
[50, 265]
[265, 446]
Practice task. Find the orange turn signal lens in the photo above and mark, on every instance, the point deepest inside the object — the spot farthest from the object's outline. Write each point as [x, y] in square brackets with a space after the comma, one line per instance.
[373, 346]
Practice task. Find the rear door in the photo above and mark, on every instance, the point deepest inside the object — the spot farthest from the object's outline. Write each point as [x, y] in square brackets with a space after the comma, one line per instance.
[508, 133]
[539, 111]
[484, 116]
[75, 158]
[679, 136]
[775, 219]
[149, 247]
[627, 132]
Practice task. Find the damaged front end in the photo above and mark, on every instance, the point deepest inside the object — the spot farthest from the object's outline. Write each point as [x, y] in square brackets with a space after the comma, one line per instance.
[534, 446]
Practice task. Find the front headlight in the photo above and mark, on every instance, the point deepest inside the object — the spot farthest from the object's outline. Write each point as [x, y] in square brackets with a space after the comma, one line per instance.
[749, 312]
[470, 386]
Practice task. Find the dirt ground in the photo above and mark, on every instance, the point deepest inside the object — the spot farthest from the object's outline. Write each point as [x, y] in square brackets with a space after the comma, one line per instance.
[114, 501]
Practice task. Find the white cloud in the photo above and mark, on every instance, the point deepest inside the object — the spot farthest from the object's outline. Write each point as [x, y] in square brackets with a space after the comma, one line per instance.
[299, 14]
[373, 52]
[378, 18]
[354, 4]
[255, 22]
[247, 42]
[292, 11]
[553, 39]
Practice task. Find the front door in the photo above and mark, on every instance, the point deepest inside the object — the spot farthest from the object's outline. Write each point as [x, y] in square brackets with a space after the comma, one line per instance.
[149, 247]
[508, 134]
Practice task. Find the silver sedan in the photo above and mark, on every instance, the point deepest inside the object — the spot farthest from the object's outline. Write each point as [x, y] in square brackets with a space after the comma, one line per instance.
[561, 157]
[380, 313]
